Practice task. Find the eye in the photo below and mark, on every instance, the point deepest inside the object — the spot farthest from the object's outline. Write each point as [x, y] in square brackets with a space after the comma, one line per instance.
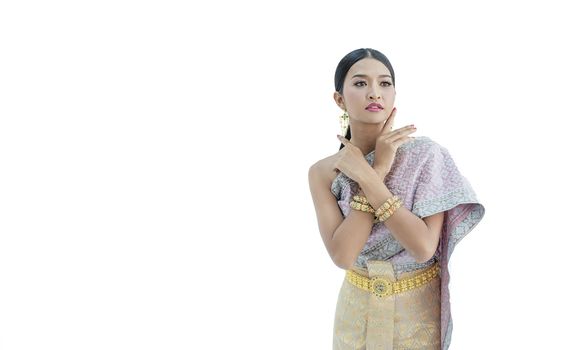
[360, 82]
[387, 82]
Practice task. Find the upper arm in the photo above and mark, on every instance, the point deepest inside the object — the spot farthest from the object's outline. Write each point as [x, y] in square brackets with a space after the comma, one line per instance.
[434, 223]
[329, 216]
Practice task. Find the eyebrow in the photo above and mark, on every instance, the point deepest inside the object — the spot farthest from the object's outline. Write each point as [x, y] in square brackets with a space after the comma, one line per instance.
[365, 76]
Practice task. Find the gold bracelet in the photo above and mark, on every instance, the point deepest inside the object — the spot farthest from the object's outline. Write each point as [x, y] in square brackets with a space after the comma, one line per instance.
[364, 200]
[382, 213]
[362, 207]
[386, 205]
[387, 208]
[390, 211]
[361, 199]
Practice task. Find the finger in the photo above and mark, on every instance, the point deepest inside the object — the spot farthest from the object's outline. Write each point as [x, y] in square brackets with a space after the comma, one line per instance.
[344, 140]
[399, 131]
[402, 141]
[394, 134]
[407, 140]
[389, 122]
[401, 134]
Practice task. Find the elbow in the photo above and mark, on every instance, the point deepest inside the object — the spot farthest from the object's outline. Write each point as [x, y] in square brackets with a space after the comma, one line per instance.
[341, 257]
[343, 261]
[421, 259]
[344, 265]
[425, 254]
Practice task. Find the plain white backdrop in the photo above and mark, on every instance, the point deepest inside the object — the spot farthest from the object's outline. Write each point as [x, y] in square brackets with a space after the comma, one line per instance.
[154, 158]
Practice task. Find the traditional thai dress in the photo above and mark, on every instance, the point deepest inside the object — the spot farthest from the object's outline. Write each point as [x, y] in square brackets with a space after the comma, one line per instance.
[427, 180]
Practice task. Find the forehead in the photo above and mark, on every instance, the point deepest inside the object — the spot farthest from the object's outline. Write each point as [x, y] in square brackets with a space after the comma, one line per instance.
[368, 66]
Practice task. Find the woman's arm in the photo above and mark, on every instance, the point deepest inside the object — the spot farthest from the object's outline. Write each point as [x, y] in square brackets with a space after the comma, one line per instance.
[420, 237]
[344, 238]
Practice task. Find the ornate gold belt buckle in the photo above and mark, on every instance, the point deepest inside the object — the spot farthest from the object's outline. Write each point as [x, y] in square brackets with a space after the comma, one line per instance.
[381, 287]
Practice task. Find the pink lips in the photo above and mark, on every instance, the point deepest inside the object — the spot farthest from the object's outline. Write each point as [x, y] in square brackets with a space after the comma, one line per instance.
[374, 107]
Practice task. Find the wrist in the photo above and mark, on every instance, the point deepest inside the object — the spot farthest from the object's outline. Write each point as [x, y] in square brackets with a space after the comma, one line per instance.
[380, 171]
[368, 177]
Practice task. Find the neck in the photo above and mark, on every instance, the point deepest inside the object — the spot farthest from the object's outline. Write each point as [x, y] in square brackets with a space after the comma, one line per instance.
[364, 136]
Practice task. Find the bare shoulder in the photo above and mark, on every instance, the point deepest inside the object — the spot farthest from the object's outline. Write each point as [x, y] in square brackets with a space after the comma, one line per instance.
[323, 170]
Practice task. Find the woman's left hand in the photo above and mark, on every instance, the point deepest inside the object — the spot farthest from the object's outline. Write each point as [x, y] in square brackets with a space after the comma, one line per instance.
[351, 161]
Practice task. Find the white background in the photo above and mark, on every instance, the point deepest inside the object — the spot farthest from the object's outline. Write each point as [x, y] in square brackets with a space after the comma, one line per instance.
[154, 158]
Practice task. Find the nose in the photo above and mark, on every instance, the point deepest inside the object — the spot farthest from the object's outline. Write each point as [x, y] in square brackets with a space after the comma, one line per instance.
[374, 94]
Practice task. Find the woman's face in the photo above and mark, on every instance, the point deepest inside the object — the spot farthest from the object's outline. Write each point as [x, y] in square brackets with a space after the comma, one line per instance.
[368, 81]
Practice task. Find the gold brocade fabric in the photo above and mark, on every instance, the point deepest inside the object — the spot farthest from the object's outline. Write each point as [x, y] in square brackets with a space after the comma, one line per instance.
[409, 320]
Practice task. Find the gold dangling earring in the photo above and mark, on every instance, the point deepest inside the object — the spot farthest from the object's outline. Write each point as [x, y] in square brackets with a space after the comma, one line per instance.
[344, 122]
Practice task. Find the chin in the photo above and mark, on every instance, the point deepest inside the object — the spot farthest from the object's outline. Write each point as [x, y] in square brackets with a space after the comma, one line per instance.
[376, 117]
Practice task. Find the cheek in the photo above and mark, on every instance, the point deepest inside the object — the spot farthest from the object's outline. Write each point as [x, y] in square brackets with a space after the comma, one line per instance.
[354, 95]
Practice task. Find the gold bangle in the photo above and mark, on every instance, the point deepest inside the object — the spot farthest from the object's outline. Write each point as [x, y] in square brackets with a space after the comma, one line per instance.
[362, 207]
[364, 200]
[390, 211]
[386, 205]
[361, 199]
[382, 213]
[383, 207]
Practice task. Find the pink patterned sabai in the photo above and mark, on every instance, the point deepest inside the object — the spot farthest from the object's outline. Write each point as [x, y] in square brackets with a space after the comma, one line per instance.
[427, 180]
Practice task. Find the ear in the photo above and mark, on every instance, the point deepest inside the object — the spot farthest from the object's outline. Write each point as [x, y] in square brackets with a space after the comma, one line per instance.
[339, 100]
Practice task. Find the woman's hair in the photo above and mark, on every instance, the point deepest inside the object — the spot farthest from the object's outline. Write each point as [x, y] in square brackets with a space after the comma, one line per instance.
[348, 61]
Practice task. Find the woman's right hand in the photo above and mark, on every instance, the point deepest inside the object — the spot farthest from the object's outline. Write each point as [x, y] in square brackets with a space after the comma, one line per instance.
[387, 143]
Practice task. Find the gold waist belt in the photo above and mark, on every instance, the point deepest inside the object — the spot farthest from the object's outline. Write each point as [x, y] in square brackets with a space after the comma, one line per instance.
[383, 287]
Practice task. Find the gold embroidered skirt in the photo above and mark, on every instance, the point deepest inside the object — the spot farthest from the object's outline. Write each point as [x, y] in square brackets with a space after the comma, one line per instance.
[406, 320]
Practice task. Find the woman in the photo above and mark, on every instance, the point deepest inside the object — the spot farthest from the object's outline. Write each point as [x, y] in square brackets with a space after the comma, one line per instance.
[390, 209]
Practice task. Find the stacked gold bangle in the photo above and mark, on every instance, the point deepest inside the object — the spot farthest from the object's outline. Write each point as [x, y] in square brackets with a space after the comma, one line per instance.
[382, 213]
[361, 203]
[388, 208]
